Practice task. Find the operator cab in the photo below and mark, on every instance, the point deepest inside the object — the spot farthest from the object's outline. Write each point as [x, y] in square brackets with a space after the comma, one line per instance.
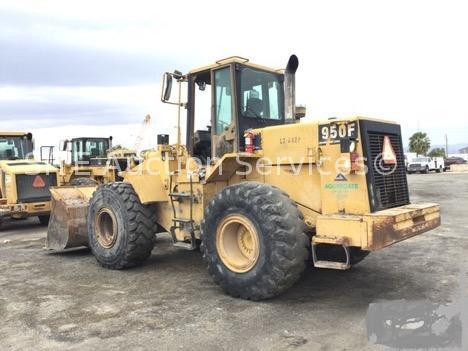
[15, 146]
[88, 151]
[242, 97]
[236, 96]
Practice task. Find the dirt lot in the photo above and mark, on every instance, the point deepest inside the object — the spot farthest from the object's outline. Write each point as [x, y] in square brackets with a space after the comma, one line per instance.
[66, 301]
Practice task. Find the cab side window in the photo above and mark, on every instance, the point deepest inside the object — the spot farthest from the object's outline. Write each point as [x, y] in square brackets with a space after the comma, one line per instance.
[261, 95]
[223, 105]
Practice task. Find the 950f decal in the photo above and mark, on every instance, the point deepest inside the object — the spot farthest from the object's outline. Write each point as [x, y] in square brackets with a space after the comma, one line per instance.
[337, 131]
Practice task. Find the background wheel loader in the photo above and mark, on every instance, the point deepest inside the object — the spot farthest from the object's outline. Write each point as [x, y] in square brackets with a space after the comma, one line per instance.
[257, 189]
[24, 182]
[92, 161]
[88, 162]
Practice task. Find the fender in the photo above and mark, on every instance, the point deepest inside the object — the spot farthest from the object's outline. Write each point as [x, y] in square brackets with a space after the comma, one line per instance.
[149, 187]
[225, 168]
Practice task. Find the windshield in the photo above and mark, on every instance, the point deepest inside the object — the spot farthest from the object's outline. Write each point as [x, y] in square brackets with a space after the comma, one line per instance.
[261, 94]
[15, 147]
[420, 159]
[85, 149]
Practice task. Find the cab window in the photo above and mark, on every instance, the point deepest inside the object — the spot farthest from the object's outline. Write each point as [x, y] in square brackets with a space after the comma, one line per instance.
[261, 94]
[84, 149]
[14, 147]
[223, 103]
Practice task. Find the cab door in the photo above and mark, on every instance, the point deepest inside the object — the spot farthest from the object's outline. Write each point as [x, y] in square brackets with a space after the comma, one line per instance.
[224, 130]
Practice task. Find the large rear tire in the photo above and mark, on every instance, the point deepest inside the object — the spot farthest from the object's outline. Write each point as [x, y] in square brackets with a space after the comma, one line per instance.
[253, 241]
[120, 228]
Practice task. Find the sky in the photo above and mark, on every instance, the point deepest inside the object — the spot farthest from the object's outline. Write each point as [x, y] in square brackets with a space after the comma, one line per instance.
[93, 68]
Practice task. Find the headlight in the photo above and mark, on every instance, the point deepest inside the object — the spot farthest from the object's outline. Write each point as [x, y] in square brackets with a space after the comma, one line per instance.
[7, 179]
[352, 146]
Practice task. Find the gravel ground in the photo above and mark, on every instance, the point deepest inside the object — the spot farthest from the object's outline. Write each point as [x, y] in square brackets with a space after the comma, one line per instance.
[57, 301]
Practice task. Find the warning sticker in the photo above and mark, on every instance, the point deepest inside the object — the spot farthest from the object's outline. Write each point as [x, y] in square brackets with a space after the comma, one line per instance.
[388, 154]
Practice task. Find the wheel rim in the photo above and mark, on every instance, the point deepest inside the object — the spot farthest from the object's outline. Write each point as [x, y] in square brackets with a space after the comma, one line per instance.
[237, 243]
[106, 228]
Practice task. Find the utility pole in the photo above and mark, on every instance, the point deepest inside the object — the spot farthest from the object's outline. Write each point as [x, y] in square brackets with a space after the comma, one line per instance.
[446, 146]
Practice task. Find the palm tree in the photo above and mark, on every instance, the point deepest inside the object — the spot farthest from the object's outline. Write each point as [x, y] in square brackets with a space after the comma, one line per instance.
[437, 152]
[419, 143]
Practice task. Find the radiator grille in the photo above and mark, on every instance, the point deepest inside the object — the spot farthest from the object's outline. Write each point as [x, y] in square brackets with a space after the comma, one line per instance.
[27, 192]
[388, 186]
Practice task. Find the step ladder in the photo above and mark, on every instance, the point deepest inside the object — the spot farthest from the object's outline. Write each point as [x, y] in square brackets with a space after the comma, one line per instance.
[186, 224]
[331, 264]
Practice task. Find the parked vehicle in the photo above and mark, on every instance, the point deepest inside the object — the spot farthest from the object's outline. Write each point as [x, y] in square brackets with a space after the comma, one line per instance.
[454, 161]
[426, 164]
[24, 182]
[89, 161]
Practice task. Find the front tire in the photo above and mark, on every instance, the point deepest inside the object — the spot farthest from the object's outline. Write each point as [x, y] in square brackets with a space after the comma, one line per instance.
[83, 181]
[120, 228]
[253, 241]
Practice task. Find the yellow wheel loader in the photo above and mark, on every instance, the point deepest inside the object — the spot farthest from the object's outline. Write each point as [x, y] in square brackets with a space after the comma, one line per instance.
[258, 191]
[90, 161]
[24, 182]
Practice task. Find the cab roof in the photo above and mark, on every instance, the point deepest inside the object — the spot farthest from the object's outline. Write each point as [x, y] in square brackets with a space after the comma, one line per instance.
[98, 138]
[12, 133]
[235, 59]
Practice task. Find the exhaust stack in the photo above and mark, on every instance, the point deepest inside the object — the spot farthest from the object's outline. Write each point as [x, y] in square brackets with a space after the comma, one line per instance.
[290, 88]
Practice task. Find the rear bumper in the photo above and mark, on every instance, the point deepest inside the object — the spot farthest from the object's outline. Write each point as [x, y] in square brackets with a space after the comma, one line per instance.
[377, 230]
[25, 210]
[415, 168]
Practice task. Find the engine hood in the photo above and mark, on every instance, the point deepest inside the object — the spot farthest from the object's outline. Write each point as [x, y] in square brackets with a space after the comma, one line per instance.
[26, 166]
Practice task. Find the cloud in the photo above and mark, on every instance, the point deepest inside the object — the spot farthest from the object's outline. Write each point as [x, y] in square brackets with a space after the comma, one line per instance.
[83, 47]
[46, 63]
[23, 107]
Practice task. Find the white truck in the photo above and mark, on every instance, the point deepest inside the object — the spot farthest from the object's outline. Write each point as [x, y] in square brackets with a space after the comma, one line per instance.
[424, 164]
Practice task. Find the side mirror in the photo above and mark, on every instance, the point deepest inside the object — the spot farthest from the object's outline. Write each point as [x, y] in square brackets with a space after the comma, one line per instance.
[299, 112]
[201, 85]
[166, 87]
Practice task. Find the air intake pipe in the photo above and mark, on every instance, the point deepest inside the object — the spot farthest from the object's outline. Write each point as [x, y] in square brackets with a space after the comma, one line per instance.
[290, 88]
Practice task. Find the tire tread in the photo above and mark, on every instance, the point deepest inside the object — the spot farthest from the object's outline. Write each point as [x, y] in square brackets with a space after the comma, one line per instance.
[284, 224]
[141, 226]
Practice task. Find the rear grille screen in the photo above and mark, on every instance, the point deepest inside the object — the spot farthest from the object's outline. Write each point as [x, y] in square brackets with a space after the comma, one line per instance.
[27, 192]
[387, 184]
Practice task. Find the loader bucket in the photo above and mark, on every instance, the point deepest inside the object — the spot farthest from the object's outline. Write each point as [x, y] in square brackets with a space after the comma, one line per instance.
[68, 217]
